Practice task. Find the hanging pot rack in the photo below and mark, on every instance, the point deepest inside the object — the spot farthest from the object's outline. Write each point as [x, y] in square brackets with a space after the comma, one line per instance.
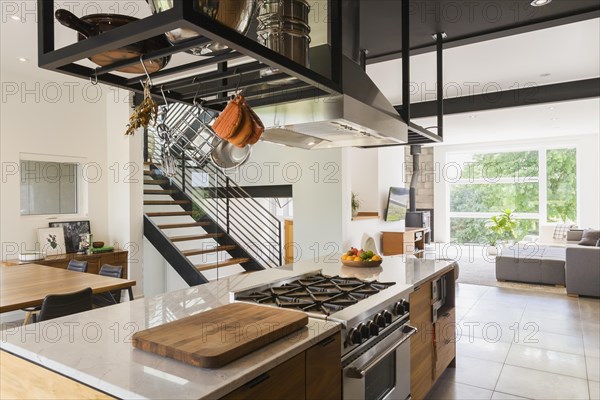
[216, 84]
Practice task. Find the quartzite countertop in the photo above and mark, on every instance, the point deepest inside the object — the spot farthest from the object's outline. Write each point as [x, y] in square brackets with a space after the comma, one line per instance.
[95, 348]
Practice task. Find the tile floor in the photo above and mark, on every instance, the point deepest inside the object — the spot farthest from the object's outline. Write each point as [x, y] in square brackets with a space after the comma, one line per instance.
[517, 344]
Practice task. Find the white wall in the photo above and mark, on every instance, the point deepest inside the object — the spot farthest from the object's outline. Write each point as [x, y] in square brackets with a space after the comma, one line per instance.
[588, 177]
[48, 118]
[124, 195]
[364, 168]
[385, 168]
[317, 192]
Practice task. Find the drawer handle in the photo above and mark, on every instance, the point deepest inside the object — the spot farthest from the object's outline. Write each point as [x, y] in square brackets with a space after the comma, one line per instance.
[327, 341]
[257, 381]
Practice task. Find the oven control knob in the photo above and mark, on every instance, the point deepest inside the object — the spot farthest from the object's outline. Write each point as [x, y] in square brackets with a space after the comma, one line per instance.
[364, 330]
[387, 316]
[373, 328]
[354, 336]
[379, 320]
[398, 308]
[405, 304]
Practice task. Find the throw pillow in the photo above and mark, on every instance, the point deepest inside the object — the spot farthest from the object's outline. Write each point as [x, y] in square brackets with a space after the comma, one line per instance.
[560, 231]
[598, 243]
[574, 235]
[589, 237]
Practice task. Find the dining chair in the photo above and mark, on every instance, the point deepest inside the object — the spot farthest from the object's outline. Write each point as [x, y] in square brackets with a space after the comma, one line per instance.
[76, 265]
[113, 297]
[60, 305]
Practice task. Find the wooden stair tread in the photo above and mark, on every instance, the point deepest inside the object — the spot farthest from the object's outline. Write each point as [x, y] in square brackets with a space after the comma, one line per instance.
[156, 181]
[148, 171]
[165, 202]
[160, 191]
[189, 253]
[169, 213]
[225, 263]
[151, 163]
[183, 225]
[187, 238]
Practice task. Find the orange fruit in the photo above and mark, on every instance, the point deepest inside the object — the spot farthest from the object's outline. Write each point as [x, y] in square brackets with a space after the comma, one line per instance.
[376, 258]
[357, 259]
[344, 257]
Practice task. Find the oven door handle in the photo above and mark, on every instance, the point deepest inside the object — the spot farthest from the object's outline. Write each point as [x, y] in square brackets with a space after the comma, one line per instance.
[360, 373]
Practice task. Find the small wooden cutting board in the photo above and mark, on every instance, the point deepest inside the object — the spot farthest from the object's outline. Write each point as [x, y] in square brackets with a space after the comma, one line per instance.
[216, 337]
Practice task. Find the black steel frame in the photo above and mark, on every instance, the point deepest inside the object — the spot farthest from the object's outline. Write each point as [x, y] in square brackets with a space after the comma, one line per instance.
[308, 83]
[417, 134]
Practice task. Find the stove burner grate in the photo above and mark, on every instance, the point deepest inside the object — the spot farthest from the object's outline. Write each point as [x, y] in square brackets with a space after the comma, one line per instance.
[317, 293]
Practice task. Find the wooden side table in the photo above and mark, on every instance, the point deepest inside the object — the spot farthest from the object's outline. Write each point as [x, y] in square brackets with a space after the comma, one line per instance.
[411, 241]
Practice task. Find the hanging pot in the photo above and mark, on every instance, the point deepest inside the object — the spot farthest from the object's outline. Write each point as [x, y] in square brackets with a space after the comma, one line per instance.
[236, 14]
[95, 24]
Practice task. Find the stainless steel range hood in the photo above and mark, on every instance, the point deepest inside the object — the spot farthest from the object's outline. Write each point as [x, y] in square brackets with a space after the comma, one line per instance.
[359, 117]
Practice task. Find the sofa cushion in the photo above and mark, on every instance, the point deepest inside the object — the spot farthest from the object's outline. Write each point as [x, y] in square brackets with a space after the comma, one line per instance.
[589, 237]
[598, 243]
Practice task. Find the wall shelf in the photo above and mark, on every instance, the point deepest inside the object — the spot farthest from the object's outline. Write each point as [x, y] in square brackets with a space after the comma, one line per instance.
[362, 215]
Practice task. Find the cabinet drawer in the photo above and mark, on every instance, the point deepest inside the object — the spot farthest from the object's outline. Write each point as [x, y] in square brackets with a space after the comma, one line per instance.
[445, 341]
[324, 369]
[286, 381]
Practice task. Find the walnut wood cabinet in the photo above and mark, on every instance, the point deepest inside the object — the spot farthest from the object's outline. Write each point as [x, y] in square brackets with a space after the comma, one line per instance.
[95, 261]
[315, 374]
[433, 347]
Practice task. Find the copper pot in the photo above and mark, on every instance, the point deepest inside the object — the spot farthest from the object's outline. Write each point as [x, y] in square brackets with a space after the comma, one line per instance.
[95, 24]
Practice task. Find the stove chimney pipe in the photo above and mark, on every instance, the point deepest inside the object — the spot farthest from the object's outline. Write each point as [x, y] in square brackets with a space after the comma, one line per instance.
[415, 151]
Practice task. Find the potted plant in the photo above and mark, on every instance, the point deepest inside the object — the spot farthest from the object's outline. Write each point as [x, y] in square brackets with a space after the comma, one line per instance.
[502, 228]
[355, 204]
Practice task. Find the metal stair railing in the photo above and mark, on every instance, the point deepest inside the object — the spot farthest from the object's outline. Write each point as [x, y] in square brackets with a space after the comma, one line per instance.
[237, 213]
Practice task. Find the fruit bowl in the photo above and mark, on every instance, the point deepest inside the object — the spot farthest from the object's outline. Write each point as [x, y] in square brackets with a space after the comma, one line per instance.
[362, 264]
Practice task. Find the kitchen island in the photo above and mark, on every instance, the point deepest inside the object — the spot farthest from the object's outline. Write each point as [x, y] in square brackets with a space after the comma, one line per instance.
[94, 348]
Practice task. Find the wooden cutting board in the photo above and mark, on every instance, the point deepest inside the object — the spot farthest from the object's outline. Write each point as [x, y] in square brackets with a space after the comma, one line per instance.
[216, 337]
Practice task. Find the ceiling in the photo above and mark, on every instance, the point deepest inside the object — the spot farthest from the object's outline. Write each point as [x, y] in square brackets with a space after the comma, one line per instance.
[460, 20]
[567, 52]
[540, 121]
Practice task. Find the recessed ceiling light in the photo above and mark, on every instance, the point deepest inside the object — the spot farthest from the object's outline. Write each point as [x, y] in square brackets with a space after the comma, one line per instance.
[15, 17]
[22, 59]
[545, 74]
[539, 3]
[311, 143]
[472, 116]
[551, 108]
[554, 119]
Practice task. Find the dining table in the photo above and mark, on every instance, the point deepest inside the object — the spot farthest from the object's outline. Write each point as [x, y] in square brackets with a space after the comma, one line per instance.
[27, 285]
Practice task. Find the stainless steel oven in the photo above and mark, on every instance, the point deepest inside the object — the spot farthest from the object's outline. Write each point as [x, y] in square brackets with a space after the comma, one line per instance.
[381, 371]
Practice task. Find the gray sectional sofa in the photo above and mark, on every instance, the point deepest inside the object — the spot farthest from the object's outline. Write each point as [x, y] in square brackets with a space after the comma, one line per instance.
[575, 266]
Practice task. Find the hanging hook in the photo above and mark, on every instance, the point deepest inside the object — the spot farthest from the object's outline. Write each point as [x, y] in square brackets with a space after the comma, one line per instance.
[197, 89]
[237, 86]
[145, 70]
[163, 95]
[95, 76]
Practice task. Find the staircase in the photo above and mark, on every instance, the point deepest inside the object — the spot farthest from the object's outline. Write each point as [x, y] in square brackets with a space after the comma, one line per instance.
[204, 224]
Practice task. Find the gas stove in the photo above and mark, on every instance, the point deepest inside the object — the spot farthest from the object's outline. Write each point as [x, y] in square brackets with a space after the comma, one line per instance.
[368, 310]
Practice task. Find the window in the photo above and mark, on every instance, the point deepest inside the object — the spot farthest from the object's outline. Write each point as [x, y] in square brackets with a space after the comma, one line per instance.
[540, 186]
[48, 188]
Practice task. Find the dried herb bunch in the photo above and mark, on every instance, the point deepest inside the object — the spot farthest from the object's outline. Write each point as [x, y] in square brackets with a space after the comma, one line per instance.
[144, 113]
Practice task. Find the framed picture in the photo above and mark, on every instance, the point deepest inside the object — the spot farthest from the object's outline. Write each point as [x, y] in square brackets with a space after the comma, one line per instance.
[52, 241]
[72, 233]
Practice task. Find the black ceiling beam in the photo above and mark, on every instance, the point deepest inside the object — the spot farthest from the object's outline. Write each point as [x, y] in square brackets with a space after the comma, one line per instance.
[575, 90]
[490, 35]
